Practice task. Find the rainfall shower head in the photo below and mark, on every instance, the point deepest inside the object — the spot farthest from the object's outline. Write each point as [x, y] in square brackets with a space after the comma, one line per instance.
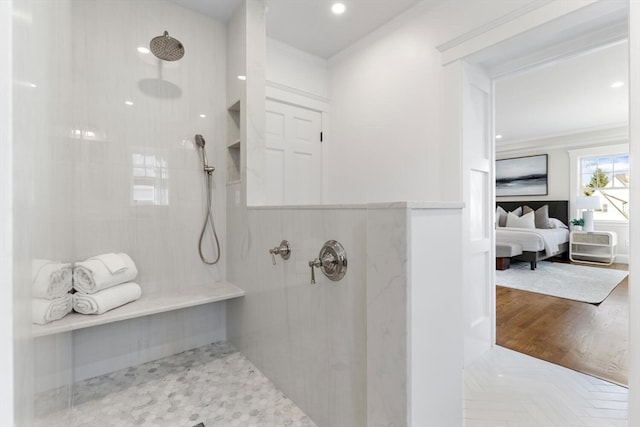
[166, 47]
[200, 141]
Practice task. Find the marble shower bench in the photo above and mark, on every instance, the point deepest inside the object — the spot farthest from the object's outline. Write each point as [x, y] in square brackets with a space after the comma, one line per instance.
[148, 304]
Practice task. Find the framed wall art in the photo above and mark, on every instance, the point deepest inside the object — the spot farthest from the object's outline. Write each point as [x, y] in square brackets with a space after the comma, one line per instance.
[522, 176]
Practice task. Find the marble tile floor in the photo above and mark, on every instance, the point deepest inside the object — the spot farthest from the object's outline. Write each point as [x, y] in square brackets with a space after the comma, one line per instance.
[508, 389]
[217, 386]
[214, 385]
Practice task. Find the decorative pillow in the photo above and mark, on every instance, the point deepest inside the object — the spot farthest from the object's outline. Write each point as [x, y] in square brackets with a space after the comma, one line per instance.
[524, 221]
[541, 215]
[501, 217]
[518, 211]
[556, 223]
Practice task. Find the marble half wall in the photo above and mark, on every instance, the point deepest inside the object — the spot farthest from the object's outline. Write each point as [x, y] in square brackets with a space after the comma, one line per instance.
[308, 339]
[367, 350]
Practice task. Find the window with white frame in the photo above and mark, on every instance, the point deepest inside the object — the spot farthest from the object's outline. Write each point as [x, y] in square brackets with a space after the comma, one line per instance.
[607, 176]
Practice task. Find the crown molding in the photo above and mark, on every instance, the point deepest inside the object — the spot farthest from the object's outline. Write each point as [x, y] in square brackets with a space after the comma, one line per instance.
[574, 140]
[590, 42]
[296, 91]
[463, 38]
[531, 16]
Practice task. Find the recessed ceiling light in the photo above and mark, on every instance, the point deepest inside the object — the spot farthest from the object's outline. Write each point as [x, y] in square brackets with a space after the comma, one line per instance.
[128, 102]
[617, 84]
[143, 49]
[241, 77]
[498, 136]
[338, 8]
[203, 115]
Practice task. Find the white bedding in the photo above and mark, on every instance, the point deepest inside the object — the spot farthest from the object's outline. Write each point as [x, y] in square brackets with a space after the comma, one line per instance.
[534, 239]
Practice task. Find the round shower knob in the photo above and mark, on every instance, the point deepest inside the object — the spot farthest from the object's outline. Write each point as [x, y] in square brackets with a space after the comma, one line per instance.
[332, 261]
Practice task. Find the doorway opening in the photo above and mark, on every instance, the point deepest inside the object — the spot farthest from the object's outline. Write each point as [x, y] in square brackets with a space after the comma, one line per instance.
[565, 37]
[571, 113]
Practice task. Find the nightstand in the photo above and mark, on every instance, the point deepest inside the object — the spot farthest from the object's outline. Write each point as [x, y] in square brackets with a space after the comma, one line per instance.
[592, 247]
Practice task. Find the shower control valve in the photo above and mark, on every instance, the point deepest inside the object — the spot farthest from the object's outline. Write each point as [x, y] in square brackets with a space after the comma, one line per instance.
[284, 250]
[332, 261]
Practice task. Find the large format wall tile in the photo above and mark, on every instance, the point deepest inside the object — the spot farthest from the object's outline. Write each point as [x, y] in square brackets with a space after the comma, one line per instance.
[309, 339]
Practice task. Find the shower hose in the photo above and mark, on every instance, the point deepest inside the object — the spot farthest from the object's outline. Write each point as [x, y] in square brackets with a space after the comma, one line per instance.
[209, 220]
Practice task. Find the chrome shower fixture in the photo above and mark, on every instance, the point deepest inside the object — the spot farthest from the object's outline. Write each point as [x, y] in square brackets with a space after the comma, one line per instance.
[205, 163]
[166, 47]
[208, 220]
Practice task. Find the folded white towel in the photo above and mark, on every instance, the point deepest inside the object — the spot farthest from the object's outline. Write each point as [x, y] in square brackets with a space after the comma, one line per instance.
[108, 299]
[48, 310]
[50, 279]
[93, 275]
[114, 262]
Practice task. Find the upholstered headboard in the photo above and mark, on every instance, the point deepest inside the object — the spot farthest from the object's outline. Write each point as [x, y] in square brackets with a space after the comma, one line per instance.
[557, 208]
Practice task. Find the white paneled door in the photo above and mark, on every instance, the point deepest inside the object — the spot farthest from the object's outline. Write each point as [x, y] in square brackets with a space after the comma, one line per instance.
[293, 154]
[478, 193]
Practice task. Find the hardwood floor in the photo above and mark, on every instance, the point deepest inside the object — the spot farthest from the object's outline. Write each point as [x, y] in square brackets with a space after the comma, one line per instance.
[588, 338]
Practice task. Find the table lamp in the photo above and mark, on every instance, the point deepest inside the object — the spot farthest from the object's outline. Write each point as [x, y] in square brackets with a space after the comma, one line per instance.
[588, 203]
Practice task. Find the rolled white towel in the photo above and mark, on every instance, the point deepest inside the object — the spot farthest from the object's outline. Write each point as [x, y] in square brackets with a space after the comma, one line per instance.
[48, 310]
[114, 262]
[50, 279]
[108, 299]
[93, 275]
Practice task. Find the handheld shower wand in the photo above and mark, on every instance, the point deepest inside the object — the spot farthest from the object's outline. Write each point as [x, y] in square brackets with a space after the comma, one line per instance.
[205, 163]
[209, 216]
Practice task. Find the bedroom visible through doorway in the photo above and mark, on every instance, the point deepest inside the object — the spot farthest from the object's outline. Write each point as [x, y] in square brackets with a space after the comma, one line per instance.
[572, 111]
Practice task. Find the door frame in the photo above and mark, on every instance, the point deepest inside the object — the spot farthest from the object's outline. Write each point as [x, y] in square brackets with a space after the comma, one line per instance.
[483, 43]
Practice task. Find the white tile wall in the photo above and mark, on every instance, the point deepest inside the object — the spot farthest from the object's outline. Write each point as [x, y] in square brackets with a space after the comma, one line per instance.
[76, 63]
[168, 99]
[6, 216]
[309, 339]
[41, 201]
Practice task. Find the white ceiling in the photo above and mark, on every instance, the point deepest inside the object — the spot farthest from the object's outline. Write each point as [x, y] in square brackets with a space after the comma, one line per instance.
[309, 25]
[565, 97]
[219, 9]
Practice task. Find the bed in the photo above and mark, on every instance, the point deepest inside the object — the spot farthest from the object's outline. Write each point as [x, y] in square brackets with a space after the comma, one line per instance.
[537, 244]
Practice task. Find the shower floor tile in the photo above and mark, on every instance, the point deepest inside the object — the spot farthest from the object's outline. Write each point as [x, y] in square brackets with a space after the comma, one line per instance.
[214, 385]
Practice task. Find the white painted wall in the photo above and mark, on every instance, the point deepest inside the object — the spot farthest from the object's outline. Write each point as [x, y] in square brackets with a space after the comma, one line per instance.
[436, 394]
[386, 96]
[295, 69]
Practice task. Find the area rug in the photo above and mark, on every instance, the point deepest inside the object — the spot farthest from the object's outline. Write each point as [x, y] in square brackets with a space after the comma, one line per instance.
[570, 281]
